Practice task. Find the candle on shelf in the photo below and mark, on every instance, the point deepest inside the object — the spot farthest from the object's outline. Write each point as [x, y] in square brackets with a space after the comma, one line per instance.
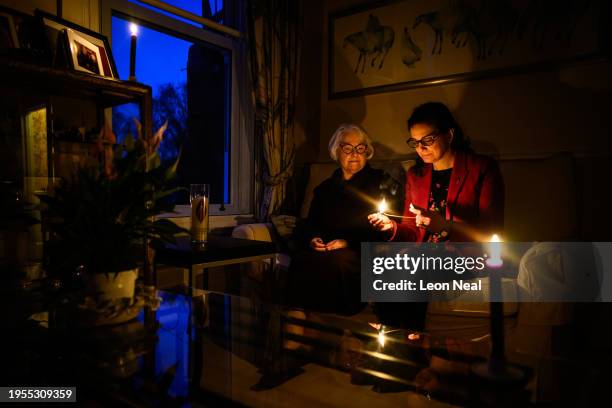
[134, 33]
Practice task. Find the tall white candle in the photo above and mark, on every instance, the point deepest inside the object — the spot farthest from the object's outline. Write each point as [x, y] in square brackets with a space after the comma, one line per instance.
[495, 252]
[134, 33]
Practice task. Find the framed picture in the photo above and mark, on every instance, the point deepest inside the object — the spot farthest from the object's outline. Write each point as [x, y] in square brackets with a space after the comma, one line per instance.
[400, 44]
[54, 31]
[8, 33]
[84, 56]
[22, 34]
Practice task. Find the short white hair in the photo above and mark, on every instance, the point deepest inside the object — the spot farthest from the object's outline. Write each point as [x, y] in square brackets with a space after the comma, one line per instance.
[334, 142]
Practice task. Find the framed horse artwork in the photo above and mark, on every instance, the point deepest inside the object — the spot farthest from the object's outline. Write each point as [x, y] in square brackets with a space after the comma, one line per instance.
[399, 44]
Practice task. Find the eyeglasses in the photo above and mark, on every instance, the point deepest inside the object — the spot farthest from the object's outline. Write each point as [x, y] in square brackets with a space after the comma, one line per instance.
[425, 141]
[349, 149]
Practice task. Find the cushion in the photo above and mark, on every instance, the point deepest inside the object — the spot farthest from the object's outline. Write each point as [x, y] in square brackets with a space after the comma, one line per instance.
[284, 225]
[288, 233]
[257, 232]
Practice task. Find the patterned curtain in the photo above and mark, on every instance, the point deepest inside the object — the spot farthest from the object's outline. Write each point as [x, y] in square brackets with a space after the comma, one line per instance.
[273, 35]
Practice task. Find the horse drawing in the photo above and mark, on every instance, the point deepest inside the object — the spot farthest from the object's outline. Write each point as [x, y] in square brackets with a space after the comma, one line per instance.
[446, 20]
[410, 52]
[558, 18]
[376, 41]
[432, 20]
[495, 20]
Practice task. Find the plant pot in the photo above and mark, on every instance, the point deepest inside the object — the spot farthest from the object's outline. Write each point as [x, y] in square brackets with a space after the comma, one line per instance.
[110, 299]
[111, 286]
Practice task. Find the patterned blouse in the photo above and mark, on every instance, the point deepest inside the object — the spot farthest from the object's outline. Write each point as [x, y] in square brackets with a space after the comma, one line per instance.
[438, 192]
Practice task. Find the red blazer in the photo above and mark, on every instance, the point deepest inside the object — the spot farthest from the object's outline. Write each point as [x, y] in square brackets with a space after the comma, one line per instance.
[475, 200]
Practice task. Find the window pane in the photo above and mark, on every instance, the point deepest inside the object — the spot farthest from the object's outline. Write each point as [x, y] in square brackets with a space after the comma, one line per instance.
[191, 90]
[212, 9]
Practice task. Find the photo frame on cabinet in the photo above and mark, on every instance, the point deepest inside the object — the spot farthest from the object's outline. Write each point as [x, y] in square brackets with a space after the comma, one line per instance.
[58, 31]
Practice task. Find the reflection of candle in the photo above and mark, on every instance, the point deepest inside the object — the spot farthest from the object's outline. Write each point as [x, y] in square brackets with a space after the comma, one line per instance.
[134, 32]
[495, 249]
[382, 206]
[495, 298]
[381, 336]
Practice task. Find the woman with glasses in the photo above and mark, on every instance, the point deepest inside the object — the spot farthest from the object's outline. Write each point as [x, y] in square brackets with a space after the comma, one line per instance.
[452, 193]
[326, 275]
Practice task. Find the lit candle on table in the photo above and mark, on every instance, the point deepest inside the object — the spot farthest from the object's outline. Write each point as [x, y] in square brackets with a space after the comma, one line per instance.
[134, 33]
[495, 263]
[496, 368]
[495, 248]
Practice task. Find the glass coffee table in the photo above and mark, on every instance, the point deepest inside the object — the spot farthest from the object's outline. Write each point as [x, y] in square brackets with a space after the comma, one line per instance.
[201, 348]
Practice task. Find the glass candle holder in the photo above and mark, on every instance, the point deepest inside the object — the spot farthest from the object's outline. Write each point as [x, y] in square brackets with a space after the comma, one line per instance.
[199, 197]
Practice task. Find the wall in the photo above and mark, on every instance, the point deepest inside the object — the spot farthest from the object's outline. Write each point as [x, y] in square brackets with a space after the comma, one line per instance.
[308, 113]
[85, 13]
[514, 116]
[49, 6]
[534, 113]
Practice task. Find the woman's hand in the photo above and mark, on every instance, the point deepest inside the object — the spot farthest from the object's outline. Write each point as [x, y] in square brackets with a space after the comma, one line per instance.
[336, 244]
[432, 221]
[317, 244]
[380, 222]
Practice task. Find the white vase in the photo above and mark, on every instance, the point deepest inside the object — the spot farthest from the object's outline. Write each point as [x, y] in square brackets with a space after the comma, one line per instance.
[112, 285]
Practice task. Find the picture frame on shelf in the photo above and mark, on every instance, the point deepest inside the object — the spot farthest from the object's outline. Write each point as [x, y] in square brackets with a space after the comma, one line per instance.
[21, 35]
[56, 29]
[84, 56]
[8, 33]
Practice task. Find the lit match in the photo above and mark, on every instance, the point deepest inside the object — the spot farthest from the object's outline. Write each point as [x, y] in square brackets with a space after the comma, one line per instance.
[382, 206]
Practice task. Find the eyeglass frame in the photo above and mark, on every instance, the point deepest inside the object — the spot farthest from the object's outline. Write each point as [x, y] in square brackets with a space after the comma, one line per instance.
[354, 148]
[435, 135]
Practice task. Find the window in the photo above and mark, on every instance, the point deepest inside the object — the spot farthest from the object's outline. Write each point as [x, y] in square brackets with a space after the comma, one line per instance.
[195, 76]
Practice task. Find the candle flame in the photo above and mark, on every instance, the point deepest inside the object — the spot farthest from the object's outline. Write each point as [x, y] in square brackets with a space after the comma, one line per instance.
[133, 28]
[495, 249]
[382, 206]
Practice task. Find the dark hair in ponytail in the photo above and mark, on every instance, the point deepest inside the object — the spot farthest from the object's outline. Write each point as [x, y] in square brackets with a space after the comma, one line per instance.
[438, 116]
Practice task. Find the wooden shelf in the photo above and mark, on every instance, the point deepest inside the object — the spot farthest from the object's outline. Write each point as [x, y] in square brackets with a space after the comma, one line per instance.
[107, 92]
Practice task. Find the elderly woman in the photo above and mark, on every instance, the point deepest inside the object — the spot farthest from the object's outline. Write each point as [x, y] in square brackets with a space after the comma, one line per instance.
[326, 275]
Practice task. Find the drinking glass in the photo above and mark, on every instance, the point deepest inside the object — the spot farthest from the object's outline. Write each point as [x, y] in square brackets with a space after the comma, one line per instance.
[199, 197]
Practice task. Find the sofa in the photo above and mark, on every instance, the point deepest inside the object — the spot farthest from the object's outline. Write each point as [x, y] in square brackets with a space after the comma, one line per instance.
[539, 192]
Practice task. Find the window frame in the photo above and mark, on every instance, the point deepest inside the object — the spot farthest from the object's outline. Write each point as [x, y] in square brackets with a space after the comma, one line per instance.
[241, 166]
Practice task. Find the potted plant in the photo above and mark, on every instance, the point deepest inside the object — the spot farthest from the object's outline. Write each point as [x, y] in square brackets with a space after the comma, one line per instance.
[103, 217]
